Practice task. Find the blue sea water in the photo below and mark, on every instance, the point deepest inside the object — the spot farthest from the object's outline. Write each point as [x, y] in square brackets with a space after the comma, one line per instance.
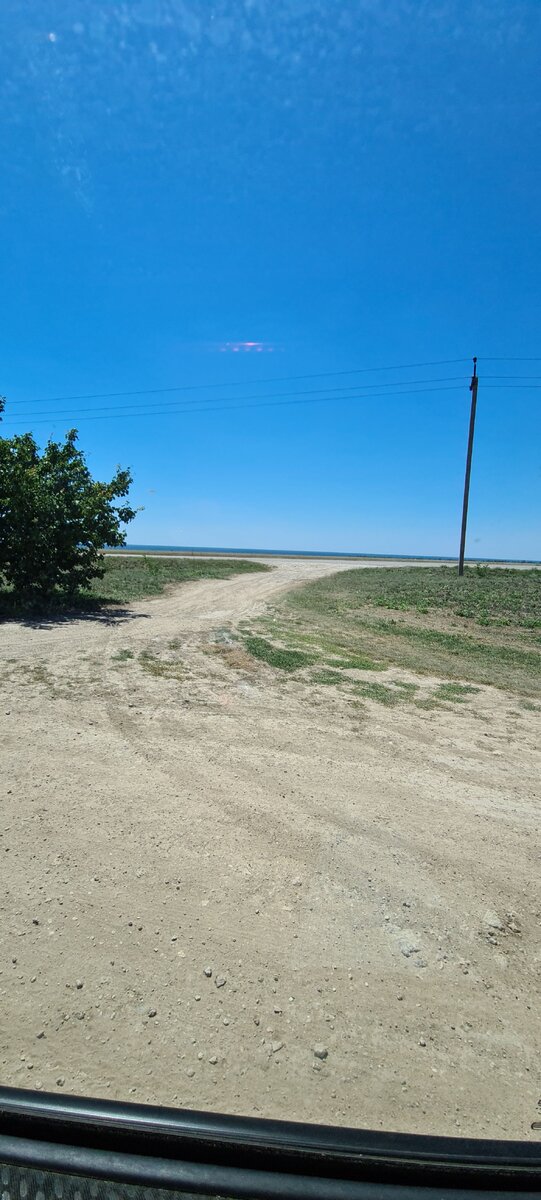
[302, 553]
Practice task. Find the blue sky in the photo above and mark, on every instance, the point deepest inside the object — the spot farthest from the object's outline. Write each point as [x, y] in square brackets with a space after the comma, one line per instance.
[352, 184]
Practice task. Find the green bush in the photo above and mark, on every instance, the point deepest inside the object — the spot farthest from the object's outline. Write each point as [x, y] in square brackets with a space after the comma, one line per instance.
[54, 518]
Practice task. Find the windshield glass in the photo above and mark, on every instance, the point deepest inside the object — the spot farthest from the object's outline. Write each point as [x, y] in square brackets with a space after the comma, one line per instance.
[270, 759]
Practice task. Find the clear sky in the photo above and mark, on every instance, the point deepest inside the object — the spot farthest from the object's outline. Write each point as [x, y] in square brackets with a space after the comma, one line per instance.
[348, 184]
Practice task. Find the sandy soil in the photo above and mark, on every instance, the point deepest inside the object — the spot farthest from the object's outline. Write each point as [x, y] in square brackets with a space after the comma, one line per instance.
[364, 880]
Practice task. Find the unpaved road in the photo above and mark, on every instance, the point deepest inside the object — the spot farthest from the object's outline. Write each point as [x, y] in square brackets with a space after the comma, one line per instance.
[364, 880]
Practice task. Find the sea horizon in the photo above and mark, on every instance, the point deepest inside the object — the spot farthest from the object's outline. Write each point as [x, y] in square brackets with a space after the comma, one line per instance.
[277, 553]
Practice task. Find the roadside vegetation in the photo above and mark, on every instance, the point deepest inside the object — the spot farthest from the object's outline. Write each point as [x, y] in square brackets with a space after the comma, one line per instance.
[488, 596]
[124, 579]
[55, 520]
[128, 578]
[482, 629]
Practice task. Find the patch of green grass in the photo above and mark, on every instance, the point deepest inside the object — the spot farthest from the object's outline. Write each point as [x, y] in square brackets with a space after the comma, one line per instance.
[493, 595]
[457, 643]
[356, 662]
[160, 667]
[496, 642]
[324, 675]
[277, 656]
[530, 706]
[123, 656]
[456, 692]
[408, 689]
[377, 691]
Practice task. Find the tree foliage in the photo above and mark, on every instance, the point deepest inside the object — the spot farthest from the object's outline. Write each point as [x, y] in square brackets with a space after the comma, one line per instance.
[54, 518]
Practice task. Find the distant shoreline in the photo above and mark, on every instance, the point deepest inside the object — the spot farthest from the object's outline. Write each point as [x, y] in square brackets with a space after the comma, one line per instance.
[245, 552]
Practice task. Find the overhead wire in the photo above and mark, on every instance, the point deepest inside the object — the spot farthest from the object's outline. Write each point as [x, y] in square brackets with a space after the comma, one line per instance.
[360, 388]
[265, 400]
[107, 416]
[193, 387]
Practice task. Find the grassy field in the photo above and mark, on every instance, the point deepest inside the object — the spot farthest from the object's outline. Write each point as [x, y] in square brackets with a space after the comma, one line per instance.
[131, 578]
[489, 596]
[484, 628]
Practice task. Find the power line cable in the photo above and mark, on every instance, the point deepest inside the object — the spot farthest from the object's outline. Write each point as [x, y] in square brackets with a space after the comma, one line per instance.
[194, 387]
[107, 416]
[254, 396]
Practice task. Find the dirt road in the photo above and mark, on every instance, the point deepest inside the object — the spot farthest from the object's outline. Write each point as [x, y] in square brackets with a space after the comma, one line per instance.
[360, 881]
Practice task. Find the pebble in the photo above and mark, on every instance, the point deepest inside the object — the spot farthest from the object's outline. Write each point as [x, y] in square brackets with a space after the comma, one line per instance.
[220, 980]
[213, 1059]
[78, 984]
[41, 1034]
[208, 972]
[320, 1051]
[408, 948]
[60, 1081]
[276, 1046]
[226, 1021]
[197, 997]
[35, 921]
[256, 1020]
[493, 921]
[422, 1041]
[152, 1012]
[190, 1072]
[277, 1010]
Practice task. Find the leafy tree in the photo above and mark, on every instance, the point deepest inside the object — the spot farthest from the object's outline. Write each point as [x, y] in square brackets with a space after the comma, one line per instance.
[54, 518]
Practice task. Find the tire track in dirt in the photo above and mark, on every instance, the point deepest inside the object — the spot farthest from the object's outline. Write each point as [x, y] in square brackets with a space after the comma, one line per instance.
[342, 874]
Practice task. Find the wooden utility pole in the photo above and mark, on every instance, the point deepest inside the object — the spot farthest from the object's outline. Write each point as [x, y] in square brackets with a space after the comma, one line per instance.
[473, 389]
